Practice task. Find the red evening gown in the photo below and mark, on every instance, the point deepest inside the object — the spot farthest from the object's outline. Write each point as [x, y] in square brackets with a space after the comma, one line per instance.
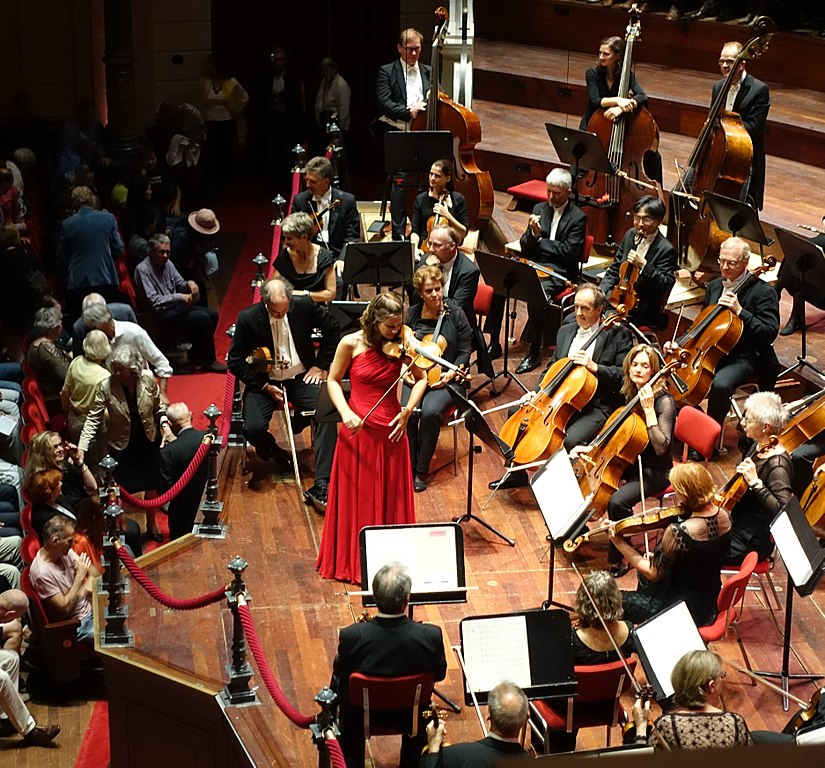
[371, 482]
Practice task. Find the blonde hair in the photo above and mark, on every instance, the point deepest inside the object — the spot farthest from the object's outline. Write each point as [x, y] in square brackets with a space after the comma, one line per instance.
[694, 484]
[692, 675]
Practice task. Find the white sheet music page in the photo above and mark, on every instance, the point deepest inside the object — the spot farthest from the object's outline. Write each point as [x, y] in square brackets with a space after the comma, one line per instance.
[495, 649]
[790, 547]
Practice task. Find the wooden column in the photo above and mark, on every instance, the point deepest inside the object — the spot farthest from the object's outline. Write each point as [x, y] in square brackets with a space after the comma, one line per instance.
[119, 59]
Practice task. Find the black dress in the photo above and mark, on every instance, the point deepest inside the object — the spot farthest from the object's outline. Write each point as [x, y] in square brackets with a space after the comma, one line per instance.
[423, 209]
[691, 565]
[310, 281]
[597, 89]
[583, 656]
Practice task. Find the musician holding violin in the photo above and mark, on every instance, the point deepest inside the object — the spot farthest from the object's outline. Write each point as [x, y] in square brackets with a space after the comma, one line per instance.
[752, 356]
[689, 556]
[644, 270]
[439, 322]
[306, 265]
[371, 482]
[766, 476]
[440, 204]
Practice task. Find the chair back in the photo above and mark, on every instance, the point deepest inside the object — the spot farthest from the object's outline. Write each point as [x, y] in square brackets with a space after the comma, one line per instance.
[29, 548]
[482, 299]
[380, 693]
[600, 682]
[26, 519]
[730, 600]
[697, 430]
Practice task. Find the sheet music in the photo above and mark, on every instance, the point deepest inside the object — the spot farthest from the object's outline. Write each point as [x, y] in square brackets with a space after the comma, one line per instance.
[793, 554]
[558, 494]
[495, 649]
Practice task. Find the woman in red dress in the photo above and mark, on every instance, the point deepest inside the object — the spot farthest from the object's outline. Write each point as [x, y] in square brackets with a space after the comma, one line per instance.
[371, 482]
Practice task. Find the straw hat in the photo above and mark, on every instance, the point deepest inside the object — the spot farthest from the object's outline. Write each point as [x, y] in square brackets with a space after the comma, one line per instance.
[204, 221]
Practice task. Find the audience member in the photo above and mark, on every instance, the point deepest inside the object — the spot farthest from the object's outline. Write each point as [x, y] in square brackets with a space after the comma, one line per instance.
[182, 441]
[507, 708]
[49, 361]
[174, 303]
[119, 311]
[9, 511]
[194, 251]
[391, 644]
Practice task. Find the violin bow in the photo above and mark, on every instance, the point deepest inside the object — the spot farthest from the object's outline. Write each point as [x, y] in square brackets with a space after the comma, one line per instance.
[642, 491]
[404, 370]
[291, 436]
[739, 668]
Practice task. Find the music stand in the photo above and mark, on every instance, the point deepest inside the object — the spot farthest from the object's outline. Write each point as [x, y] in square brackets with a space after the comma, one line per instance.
[476, 424]
[737, 218]
[512, 279]
[805, 260]
[382, 263]
[805, 563]
[347, 314]
[579, 149]
[325, 411]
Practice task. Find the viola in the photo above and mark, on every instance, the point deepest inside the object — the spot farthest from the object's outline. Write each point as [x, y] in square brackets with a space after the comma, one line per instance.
[714, 333]
[317, 215]
[624, 293]
[648, 520]
[720, 162]
[627, 140]
[434, 221]
[405, 345]
[537, 429]
[736, 486]
[442, 113]
[599, 468]
[436, 343]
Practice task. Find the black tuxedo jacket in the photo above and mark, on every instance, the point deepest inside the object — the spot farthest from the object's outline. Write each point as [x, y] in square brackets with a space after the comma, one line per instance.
[608, 352]
[173, 459]
[344, 223]
[391, 89]
[463, 284]
[752, 104]
[760, 318]
[476, 754]
[655, 281]
[565, 252]
[252, 330]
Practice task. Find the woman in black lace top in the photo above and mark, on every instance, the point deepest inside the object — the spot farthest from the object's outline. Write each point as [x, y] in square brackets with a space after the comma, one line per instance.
[688, 558]
[306, 265]
[697, 722]
[768, 475]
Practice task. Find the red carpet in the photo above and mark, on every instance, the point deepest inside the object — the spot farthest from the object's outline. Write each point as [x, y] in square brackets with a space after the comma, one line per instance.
[94, 751]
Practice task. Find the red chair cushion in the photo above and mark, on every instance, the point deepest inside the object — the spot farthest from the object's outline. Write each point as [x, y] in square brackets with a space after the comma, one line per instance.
[535, 189]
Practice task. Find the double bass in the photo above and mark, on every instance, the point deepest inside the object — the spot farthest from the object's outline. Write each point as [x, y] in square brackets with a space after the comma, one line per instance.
[444, 114]
[720, 162]
[713, 335]
[627, 140]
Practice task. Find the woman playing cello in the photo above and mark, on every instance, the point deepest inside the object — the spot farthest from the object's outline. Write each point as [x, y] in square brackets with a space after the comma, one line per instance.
[439, 205]
[688, 558]
[659, 413]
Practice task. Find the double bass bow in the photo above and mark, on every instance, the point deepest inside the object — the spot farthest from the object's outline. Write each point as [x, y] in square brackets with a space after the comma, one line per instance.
[720, 162]
[713, 335]
[628, 140]
[444, 114]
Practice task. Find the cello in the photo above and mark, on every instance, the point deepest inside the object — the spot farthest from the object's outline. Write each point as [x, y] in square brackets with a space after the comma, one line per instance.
[806, 424]
[627, 140]
[444, 114]
[720, 162]
[537, 429]
[599, 468]
[714, 333]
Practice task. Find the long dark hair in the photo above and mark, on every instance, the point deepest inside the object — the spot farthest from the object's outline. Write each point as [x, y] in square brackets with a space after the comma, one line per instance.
[381, 308]
[616, 44]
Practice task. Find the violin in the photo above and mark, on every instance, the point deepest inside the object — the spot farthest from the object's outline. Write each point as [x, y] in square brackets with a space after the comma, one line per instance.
[629, 526]
[714, 333]
[405, 345]
[262, 361]
[736, 486]
[624, 292]
[434, 221]
[438, 345]
[318, 215]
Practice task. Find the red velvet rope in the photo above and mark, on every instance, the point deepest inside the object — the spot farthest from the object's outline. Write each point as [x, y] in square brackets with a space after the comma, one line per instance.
[228, 403]
[336, 754]
[302, 721]
[159, 501]
[156, 593]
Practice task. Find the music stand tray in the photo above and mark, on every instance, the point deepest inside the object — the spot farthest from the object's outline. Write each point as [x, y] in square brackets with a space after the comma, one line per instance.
[325, 411]
[347, 314]
[411, 151]
[510, 277]
[580, 149]
[382, 263]
[736, 217]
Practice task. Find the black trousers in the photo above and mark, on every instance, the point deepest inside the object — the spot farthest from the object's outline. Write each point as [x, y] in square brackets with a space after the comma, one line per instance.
[194, 324]
[423, 428]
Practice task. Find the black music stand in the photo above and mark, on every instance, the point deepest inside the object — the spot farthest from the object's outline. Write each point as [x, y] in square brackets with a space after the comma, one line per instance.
[347, 314]
[580, 150]
[476, 424]
[512, 279]
[381, 263]
[325, 410]
[737, 218]
[806, 261]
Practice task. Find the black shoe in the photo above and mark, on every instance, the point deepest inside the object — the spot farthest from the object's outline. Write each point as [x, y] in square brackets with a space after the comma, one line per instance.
[531, 362]
[419, 483]
[41, 735]
[493, 350]
[619, 569]
[517, 479]
[791, 327]
[707, 11]
[694, 455]
[281, 457]
[318, 495]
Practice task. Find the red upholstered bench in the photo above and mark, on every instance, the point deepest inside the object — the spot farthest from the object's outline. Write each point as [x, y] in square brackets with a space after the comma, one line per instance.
[534, 190]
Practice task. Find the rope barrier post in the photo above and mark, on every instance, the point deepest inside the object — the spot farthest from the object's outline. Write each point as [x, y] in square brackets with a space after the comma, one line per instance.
[300, 155]
[237, 690]
[109, 494]
[260, 261]
[211, 527]
[279, 201]
[114, 634]
[235, 436]
[324, 726]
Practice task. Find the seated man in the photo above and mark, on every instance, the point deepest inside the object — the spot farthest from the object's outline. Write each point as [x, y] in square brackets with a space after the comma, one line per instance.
[62, 578]
[283, 324]
[390, 645]
[16, 717]
[99, 317]
[507, 715]
[173, 303]
[182, 441]
[80, 329]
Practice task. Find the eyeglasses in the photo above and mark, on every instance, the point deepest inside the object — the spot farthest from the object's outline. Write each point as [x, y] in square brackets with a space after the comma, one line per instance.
[643, 219]
[412, 48]
[729, 262]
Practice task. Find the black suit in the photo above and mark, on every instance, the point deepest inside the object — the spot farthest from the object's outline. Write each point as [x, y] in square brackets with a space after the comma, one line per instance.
[654, 283]
[384, 647]
[477, 754]
[344, 224]
[252, 330]
[173, 460]
[753, 357]
[391, 102]
[752, 104]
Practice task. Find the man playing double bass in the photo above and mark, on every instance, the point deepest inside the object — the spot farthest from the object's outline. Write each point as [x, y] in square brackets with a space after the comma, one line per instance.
[649, 251]
[604, 359]
[753, 356]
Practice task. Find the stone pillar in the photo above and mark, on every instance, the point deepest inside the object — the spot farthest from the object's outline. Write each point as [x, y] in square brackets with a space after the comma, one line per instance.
[122, 139]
